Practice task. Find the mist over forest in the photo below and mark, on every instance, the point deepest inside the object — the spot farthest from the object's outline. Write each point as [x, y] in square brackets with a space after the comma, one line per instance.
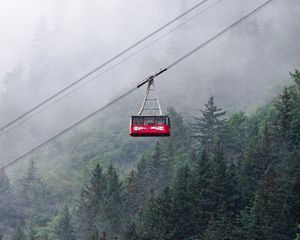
[214, 186]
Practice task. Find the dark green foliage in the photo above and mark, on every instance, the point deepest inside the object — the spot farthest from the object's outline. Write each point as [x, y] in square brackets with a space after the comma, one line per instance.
[159, 217]
[130, 232]
[91, 203]
[238, 127]
[199, 183]
[9, 213]
[236, 178]
[285, 107]
[298, 234]
[64, 229]
[182, 204]
[18, 233]
[113, 202]
[180, 132]
[296, 77]
[210, 127]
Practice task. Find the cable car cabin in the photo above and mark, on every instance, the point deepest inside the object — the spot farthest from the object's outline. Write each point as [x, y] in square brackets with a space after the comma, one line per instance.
[150, 126]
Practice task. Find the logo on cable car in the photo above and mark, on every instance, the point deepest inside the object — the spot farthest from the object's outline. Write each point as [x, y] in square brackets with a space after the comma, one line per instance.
[138, 128]
[158, 128]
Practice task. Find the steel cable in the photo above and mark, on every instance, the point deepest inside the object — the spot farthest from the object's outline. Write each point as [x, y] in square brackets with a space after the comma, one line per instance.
[241, 20]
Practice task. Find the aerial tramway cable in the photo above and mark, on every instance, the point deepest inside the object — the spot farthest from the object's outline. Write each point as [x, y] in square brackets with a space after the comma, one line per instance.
[140, 84]
[101, 66]
[107, 70]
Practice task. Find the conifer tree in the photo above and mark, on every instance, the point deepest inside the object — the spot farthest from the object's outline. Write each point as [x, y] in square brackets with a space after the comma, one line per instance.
[259, 154]
[298, 234]
[142, 179]
[285, 107]
[238, 127]
[134, 196]
[64, 229]
[182, 204]
[210, 126]
[199, 190]
[29, 185]
[18, 233]
[8, 206]
[30, 232]
[113, 203]
[296, 77]
[219, 179]
[149, 219]
[90, 205]
[159, 171]
[130, 232]
[159, 220]
[180, 132]
[95, 236]
[295, 124]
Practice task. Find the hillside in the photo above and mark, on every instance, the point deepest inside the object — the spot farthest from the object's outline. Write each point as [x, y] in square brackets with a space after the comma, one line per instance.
[239, 180]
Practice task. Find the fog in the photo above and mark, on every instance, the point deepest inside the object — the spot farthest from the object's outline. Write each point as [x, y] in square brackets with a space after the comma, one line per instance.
[47, 45]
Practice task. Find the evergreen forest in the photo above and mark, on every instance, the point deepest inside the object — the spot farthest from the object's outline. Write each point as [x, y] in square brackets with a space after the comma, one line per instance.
[220, 176]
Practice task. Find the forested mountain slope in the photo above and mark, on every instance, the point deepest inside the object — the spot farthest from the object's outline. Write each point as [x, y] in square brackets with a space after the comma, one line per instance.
[219, 176]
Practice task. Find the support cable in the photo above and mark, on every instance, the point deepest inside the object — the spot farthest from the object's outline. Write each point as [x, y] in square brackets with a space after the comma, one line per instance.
[115, 100]
[101, 66]
[107, 70]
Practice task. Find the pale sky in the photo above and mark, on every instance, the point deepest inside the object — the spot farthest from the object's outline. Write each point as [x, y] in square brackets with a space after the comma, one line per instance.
[18, 20]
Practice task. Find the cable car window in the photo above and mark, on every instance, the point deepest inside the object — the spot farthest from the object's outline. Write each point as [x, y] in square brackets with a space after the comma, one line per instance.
[160, 120]
[168, 121]
[137, 121]
[133, 120]
[149, 121]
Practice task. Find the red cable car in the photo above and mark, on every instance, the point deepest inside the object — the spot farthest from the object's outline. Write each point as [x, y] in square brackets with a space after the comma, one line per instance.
[150, 125]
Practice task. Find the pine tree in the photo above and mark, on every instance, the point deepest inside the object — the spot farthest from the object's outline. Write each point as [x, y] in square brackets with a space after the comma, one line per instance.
[266, 219]
[90, 206]
[142, 179]
[29, 183]
[222, 196]
[113, 202]
[285, 107]
[64, 229]
[159, 170]
[220, 229]
[182, 204]
[219, 180]
[288, 192]
[103, 237]
[199, 189]
[18, 233]
[135, 198]
[210, 126]
[30, 232]
[295, 124]
[9, 213]
[95, 236]
[132, 194]
[180, 137]
[259, 154]
[160, 218]
[130, 232]
[296, 77]
[149, 219]
[298, 234]
[238, 127]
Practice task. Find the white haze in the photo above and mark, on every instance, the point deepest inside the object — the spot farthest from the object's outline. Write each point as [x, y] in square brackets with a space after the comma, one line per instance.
[52, 43]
